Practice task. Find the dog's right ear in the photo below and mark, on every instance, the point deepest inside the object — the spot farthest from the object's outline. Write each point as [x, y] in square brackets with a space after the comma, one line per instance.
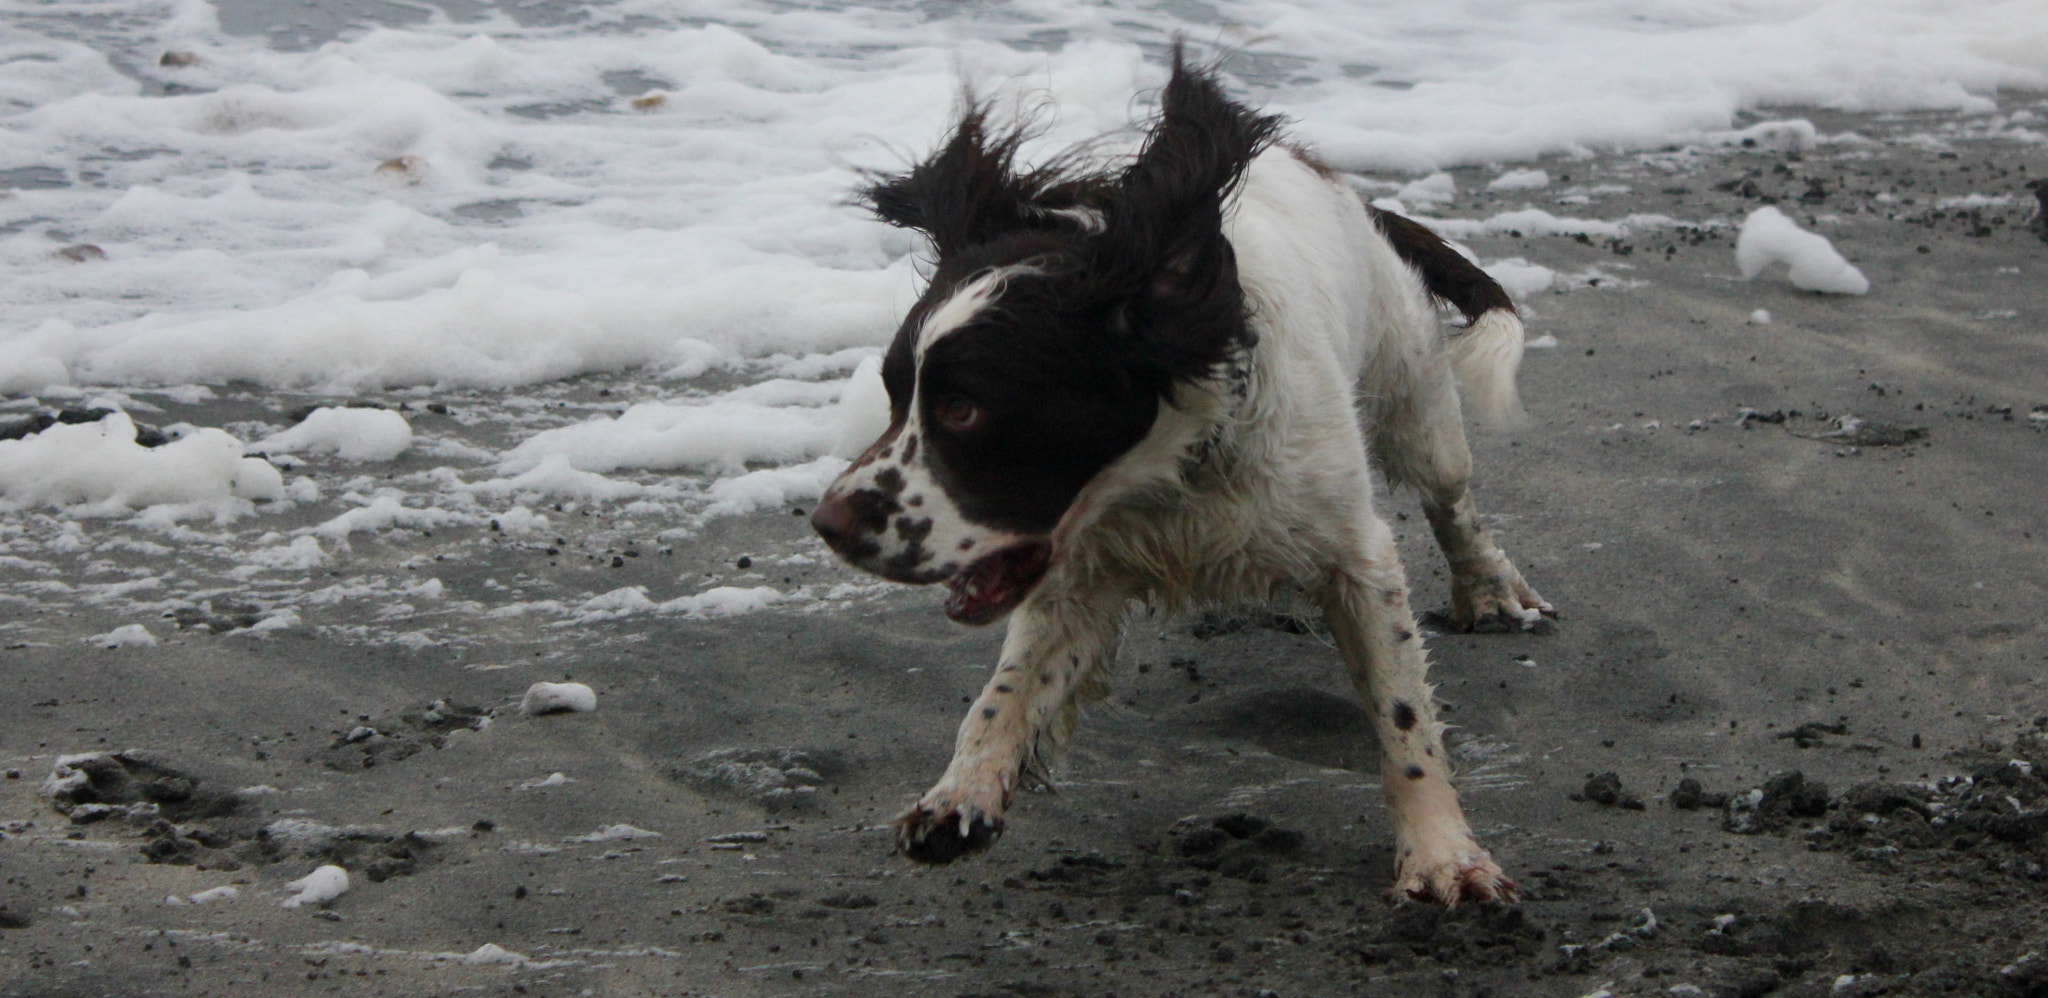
[964, 193]
[1163, 251]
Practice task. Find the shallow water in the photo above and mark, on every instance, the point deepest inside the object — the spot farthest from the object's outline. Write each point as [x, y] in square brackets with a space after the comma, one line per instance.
[379, 195]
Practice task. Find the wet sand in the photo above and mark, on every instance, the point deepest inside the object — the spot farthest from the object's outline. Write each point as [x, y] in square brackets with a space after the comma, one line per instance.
[1741, 598]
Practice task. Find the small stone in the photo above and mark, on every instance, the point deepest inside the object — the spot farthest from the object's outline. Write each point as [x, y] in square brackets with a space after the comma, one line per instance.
[1689, 795]
[1201, 842]
[558, 698]
[1239, 825]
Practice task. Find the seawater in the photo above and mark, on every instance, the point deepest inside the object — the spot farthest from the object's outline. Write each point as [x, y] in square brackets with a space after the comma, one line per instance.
[380, 194]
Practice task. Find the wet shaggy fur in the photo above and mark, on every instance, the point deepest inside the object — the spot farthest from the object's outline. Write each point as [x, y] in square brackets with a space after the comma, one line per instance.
[1158, 380]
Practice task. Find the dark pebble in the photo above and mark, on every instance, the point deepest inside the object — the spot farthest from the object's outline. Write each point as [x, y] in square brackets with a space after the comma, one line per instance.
[1239, 825]
[1689, 795]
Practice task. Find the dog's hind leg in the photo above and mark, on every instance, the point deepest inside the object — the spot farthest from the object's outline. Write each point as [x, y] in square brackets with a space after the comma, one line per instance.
[1366, 603]
[1419, 441]
[1058, 647]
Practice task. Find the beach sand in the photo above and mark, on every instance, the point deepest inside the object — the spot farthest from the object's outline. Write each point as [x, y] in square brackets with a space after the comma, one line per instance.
[1740, 598]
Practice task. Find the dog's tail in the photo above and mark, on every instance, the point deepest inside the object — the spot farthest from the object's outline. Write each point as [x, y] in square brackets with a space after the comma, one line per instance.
[1485, 359]
[1487, 355]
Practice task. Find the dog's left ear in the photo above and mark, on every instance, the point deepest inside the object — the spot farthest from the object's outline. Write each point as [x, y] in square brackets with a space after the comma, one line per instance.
[967, 191]
[1163, 250]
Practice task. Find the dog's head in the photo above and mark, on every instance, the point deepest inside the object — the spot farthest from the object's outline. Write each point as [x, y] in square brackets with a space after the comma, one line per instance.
[1064, 307]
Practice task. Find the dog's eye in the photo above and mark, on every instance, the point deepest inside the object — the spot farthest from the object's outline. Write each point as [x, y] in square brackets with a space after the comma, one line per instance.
[960, 415]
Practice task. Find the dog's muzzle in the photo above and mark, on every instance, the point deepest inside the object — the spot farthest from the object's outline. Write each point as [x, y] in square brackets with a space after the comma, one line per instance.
[849, 528]
[855, 524]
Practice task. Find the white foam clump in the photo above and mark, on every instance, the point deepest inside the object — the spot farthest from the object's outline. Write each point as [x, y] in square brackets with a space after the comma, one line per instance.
[521, 522]
[318, 887]
[128, 636]
[1520, 180]
[723, 435]
[1537, 222]
[97, 469]
[1429, 190]
[351, 434]
[616, 833]
[723, 601]
[772, 487]
[302, 554]
[556, 698]
[492, 954]
[863, 410]
[280, 620]
[23, 375]
[1974, 200]
[388, 510]
[1519, 277]
[554, 475]
[1769, 237]
[719, 601]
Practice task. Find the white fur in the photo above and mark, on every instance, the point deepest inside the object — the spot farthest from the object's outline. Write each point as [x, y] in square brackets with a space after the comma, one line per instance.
[1485, 360]
[963, 305]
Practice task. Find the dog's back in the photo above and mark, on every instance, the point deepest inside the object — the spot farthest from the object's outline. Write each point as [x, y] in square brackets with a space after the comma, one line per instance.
[1341, 299]
[1305, 242]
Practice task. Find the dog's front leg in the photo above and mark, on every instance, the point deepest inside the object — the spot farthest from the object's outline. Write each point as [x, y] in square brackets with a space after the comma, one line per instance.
[1056, 646]
[1487, 592]
[1366, 603]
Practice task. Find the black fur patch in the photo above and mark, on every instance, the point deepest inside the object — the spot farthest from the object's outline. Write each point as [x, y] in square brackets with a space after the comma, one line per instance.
[1070, 362]
[1445, 272]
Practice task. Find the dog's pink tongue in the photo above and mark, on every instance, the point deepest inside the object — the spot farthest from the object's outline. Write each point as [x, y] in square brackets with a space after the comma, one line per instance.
[970, 600]
[994, 585]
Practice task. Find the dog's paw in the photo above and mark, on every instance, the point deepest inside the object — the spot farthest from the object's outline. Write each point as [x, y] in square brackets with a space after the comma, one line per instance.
[1467, 875]
[1507, 621]
[1501, 605]
[940, 834]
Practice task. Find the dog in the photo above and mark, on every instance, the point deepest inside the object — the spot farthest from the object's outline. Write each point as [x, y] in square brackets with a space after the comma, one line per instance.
[1158, 380]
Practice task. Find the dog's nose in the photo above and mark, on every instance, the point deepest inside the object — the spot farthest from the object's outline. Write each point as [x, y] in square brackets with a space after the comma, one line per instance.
[836, 521]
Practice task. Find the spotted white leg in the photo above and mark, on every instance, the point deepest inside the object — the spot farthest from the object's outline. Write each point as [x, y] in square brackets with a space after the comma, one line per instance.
[1366, 603]
[1058, 646]
[1419, 441]
[1487, 592]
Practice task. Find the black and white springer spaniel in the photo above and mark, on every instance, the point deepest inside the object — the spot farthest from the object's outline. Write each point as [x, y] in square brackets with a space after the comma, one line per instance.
[1158, 379]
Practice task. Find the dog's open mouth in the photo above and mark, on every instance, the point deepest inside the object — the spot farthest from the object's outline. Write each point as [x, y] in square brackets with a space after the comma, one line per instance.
[994, 585]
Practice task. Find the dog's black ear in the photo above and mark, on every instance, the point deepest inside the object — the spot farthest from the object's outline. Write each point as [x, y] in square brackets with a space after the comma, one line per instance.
[1163, 250]
[966, 192]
